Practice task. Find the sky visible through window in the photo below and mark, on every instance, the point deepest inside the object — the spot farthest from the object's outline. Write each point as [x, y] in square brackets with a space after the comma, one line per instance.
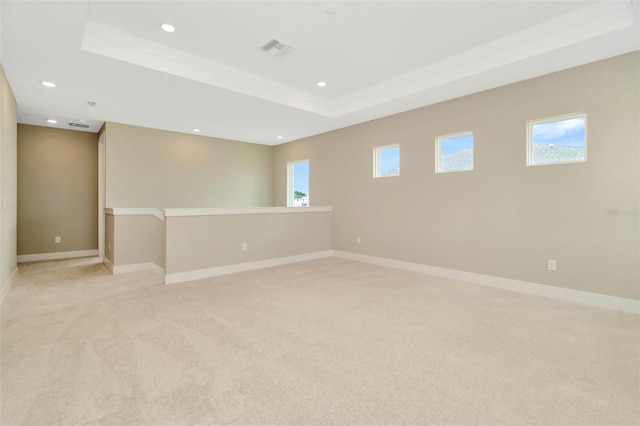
[301, 177]
[388, 159]
[455, 144]
[564, 132]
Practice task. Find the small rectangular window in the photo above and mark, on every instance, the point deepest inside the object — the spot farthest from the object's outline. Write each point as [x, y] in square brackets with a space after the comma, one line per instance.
[557, 140]
[454, 153]
[386, 161]
[298, 183]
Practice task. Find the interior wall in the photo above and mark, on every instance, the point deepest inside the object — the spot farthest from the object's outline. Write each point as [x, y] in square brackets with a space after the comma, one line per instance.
[138, 239]
[57, 190]
[109, 238]
[160, 169]
[503, 218]
[8, 185]
[201, 242]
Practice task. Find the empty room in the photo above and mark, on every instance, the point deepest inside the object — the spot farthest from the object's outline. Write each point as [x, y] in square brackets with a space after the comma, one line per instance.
[320, 213]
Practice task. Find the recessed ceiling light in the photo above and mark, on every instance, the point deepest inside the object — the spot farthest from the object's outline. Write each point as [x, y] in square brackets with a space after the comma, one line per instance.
[48, 84]
[196, 130]
[51, 120]
[321, 84]
[168, 28]
[279, 137]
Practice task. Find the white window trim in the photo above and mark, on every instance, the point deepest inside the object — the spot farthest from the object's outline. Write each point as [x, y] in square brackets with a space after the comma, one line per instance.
[439, 151]
[531, 123]
[290, 183]
[376, 160]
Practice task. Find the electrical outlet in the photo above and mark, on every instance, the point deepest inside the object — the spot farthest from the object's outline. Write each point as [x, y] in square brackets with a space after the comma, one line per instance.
[244, 247]
[551, 265]
[58, 240]
[357, 240]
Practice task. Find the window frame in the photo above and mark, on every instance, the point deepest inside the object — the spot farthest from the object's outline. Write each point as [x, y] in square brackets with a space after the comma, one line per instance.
[376, 160]
[291, 183]
[562, 117]
[438, 158]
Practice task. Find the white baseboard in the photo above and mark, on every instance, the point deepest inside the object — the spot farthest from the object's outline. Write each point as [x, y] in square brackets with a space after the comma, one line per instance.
[6, 286]
[552, 292]
[134, 267]
[241, 267]
[108, 264]
[57, 255]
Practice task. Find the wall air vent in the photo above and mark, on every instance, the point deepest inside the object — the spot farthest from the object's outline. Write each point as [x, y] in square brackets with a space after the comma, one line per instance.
[277, 48]
[79, 125]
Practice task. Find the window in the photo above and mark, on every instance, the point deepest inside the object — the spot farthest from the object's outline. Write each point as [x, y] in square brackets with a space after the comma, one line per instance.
[298, 183]
[454, 153]
[386, 161]
[557, 140]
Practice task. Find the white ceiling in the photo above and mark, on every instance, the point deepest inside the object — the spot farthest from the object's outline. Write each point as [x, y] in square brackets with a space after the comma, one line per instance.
[378, 58]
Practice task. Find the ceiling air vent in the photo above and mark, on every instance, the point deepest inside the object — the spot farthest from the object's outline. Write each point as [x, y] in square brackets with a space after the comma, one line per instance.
[80, 125]
[276, 48]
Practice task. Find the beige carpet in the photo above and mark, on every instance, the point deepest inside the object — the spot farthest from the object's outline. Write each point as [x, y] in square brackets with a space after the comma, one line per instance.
[322, 342]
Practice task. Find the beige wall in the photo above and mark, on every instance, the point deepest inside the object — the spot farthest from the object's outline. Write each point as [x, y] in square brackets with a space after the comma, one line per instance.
[138, 239]
[57, 190]
[503, 218]
[8, 188]
[200, 242]
[109, 237]
[160, 169]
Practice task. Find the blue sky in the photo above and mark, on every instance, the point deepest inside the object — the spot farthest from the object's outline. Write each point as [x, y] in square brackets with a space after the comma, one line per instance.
[565, 132]
[389, 159]
[301, 177]
[454, 144]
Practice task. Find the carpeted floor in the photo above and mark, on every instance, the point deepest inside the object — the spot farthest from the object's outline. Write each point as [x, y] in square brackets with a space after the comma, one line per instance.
[323, 342]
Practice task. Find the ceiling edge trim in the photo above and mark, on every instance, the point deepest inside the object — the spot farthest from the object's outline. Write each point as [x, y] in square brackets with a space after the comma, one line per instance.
[593, 21]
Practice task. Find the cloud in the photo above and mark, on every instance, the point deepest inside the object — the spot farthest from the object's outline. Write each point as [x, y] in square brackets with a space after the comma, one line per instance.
[558, 129]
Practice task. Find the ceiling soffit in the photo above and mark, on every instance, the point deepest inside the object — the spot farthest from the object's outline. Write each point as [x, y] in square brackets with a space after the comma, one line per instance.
[559, 32]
